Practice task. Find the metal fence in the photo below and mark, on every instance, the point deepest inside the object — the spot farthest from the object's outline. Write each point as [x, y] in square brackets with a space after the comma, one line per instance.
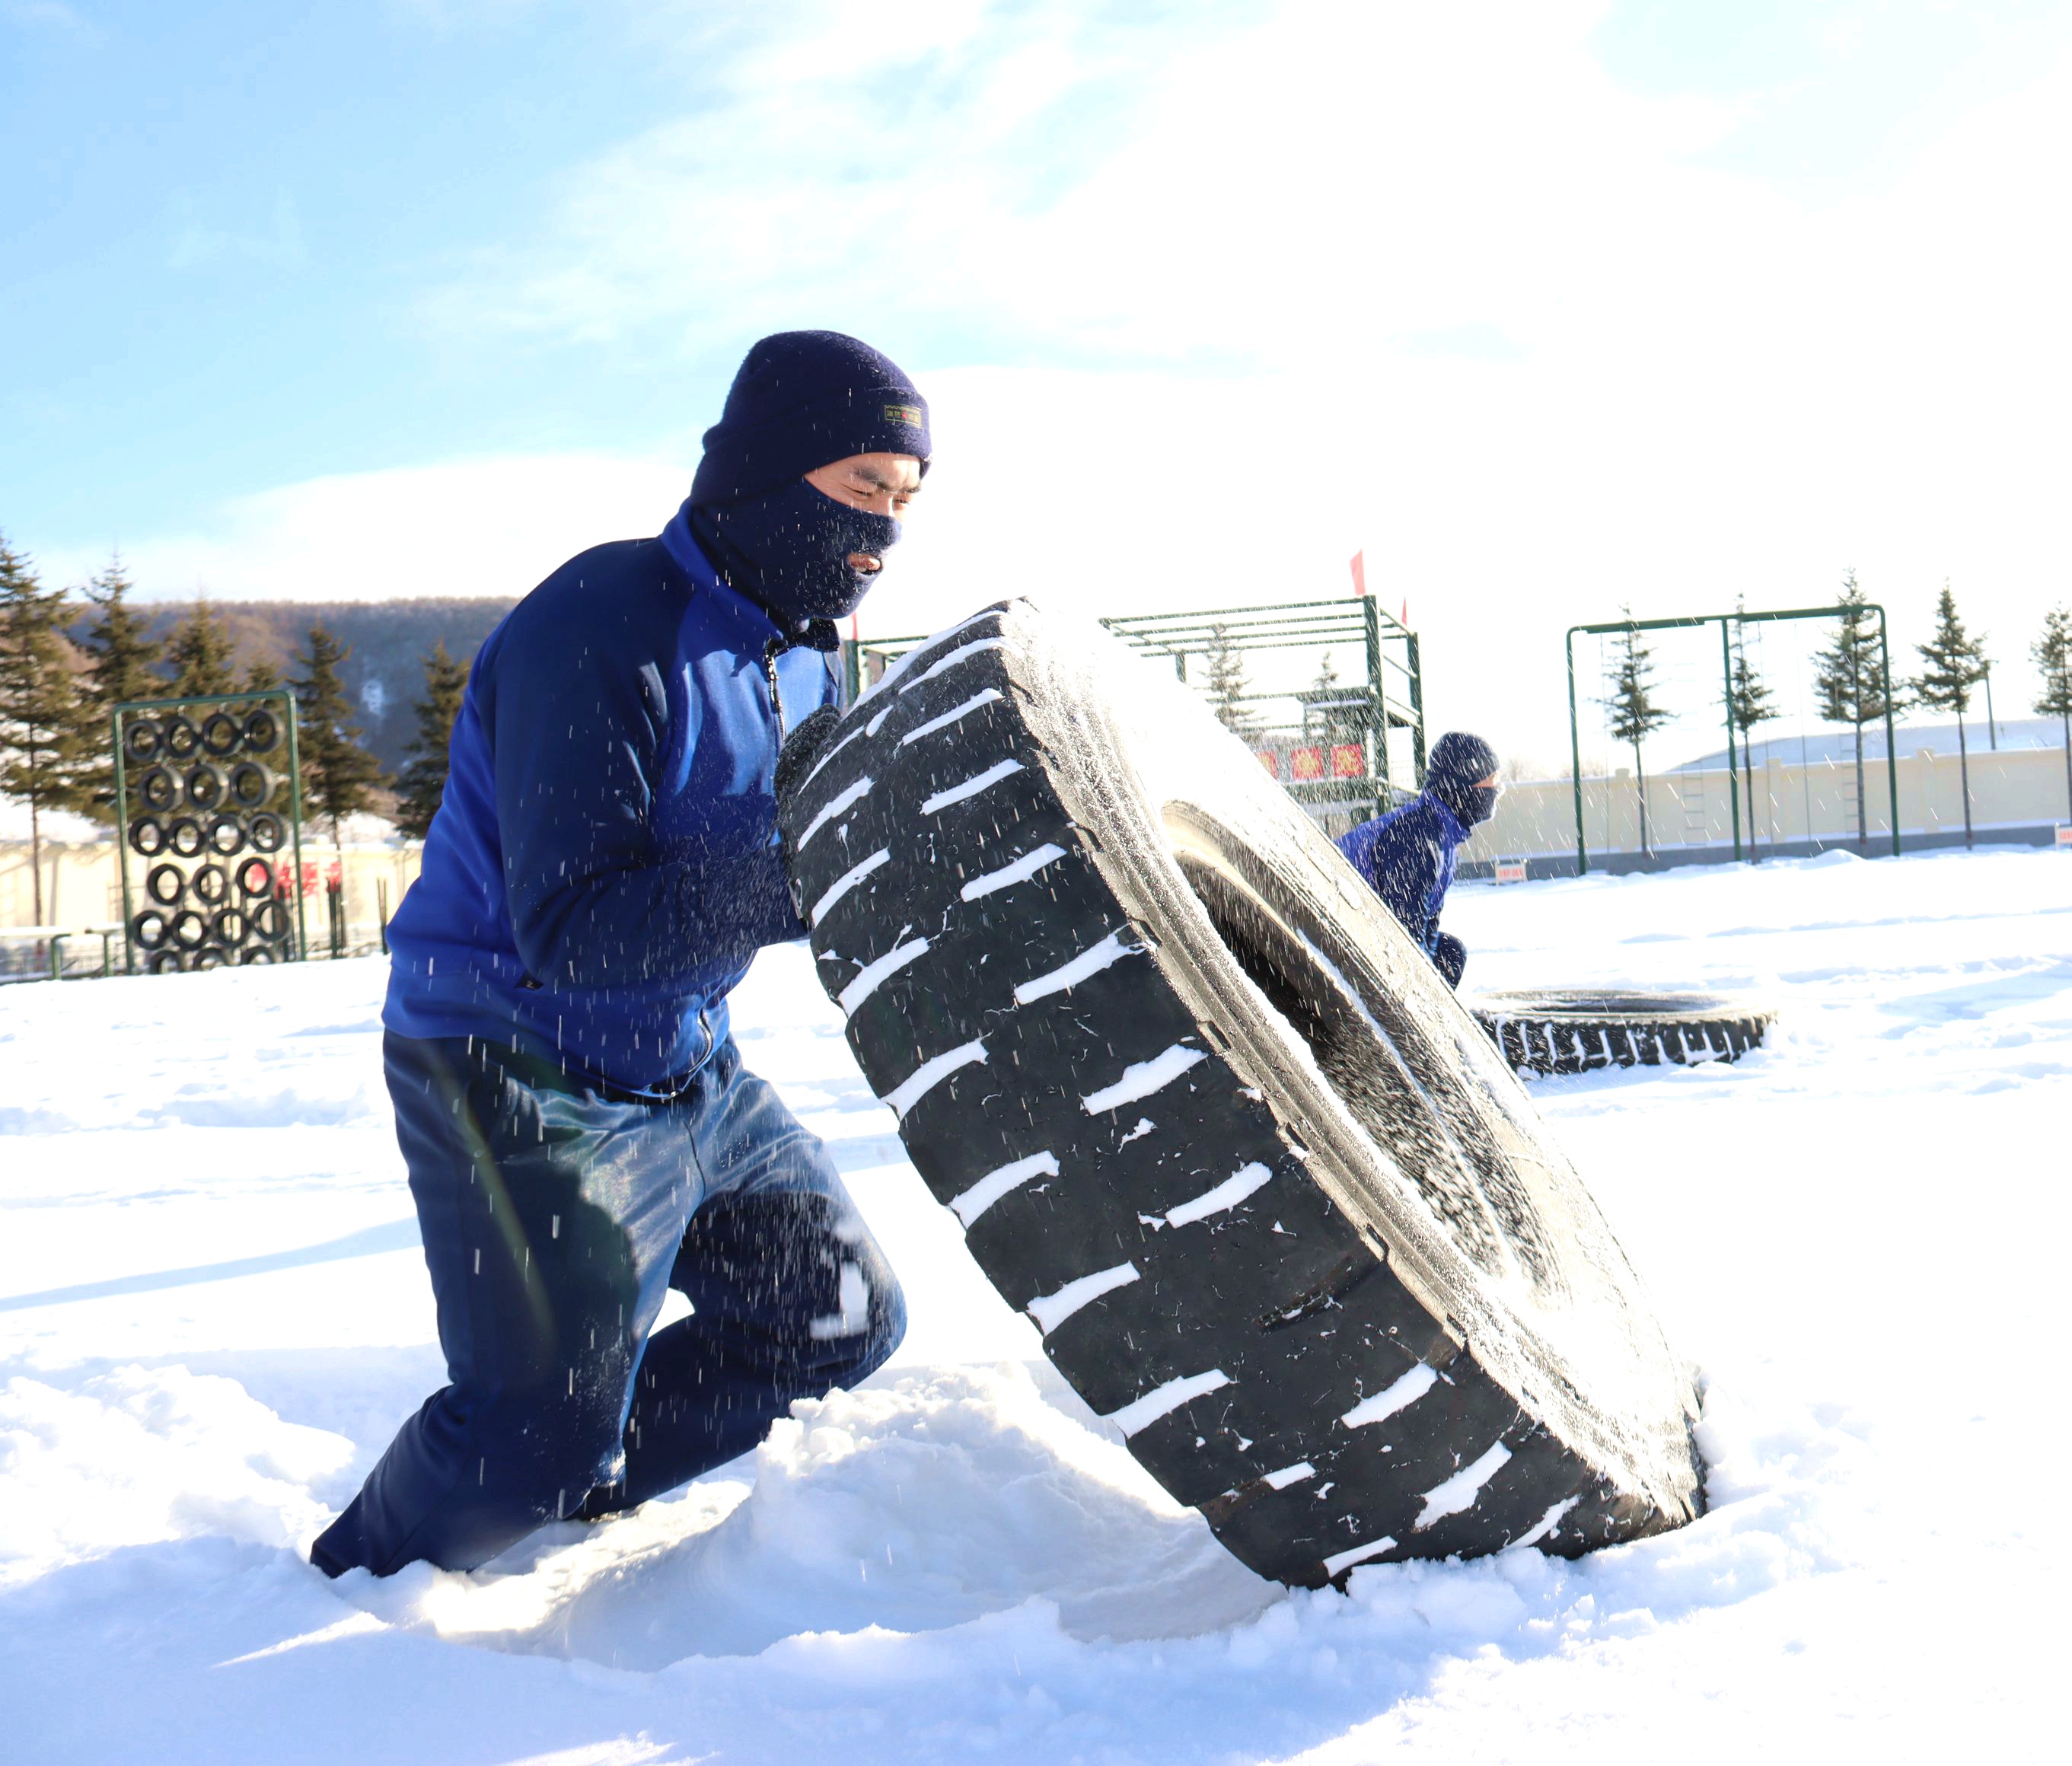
[58, 953]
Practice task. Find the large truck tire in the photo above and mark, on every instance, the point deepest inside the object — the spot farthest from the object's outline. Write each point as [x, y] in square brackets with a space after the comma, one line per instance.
[1579, 1030]
[1279, 1211]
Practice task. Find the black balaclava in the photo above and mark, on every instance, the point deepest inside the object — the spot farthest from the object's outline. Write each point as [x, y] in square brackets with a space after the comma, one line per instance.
[801, 400]
[1458, 760]
[789, 549]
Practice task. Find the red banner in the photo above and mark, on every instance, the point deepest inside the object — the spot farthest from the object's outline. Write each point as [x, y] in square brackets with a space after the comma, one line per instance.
[1348, 761]
[1268, 759]
[284, 878]
[1306, 763]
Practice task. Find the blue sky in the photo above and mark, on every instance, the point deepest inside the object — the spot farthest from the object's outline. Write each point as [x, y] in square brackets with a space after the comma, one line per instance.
[1550, 305]
[238, 242]
[224, 226]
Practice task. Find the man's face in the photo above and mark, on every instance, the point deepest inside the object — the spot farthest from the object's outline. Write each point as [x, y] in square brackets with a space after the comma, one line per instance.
[881, 484]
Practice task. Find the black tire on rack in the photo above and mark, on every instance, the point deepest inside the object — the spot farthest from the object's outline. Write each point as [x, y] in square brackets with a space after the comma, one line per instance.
[262, 731]
[184, 835]
[1578, 1030]
[165, 884]
[141, 740]
[206, 786]
[166, 962]
[158, 788]
[254, 877]
[147, 835]
[270, 833]
[148, 929]
[231, 927]
[182, 740]
[250, 784]
[189, 929]
[209, 956]
[271, 921]
[221, 733]
[255, 953]
[1282, 1215]
[211, 884]
[226, 836]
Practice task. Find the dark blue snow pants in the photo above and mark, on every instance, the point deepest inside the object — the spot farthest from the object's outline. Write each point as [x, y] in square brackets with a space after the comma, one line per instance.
[556, 1213]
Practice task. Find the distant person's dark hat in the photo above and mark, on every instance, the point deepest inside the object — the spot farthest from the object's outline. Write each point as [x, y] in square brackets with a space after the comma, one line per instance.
[1458, 758]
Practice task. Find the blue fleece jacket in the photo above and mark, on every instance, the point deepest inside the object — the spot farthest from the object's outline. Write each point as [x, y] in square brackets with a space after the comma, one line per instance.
[1408, 858]
[605, 863]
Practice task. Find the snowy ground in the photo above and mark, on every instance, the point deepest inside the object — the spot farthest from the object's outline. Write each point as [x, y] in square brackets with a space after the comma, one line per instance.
[212, 1314]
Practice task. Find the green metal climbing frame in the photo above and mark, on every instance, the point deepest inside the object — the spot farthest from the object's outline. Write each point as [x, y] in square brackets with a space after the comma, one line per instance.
[1329, 744]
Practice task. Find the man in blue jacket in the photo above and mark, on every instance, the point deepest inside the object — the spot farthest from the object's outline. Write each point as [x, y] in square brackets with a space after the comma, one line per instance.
[1407, 855]
[580, 1132]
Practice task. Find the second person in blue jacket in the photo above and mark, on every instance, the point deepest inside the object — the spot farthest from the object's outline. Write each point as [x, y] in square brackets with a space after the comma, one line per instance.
[1408, 856]
[580, 1132]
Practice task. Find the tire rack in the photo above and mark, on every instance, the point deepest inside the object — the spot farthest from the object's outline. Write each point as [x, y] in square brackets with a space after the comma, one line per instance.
[225, 811]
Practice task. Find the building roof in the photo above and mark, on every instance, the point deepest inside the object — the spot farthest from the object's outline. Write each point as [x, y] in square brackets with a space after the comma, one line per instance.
[1825, 742]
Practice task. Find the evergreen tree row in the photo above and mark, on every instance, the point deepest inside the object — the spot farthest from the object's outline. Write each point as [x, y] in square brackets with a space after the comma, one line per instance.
[61, 675]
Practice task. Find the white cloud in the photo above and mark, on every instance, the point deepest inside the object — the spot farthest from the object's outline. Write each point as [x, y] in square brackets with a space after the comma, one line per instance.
[1467, 304]
[489, 527]
[53, 15]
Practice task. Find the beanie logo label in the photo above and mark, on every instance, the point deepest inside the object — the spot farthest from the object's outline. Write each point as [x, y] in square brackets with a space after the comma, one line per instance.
[909, 415]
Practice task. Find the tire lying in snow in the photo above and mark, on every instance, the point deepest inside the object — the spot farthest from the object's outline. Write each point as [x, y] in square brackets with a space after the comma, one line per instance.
[1281, 1213]
[1576, 1030]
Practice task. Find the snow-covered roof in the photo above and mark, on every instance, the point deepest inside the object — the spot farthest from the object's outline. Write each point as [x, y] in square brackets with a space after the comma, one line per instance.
[61, 825]
[1825, 742]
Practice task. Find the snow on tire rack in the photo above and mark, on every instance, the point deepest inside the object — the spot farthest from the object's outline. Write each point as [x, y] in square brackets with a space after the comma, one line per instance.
[1580, 1030]
[1281, 1214]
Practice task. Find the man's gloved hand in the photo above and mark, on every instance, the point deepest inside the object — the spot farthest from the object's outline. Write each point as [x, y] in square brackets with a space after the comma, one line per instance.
[1451, 956]
[802, 747]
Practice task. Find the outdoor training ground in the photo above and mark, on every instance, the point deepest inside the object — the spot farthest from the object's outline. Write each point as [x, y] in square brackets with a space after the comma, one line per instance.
[212, 1314]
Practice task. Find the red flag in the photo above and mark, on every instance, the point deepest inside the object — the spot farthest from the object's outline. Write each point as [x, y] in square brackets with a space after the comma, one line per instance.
[1359, 572]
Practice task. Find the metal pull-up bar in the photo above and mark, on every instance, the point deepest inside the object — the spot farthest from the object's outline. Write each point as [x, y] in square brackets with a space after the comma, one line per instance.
[1727, 694]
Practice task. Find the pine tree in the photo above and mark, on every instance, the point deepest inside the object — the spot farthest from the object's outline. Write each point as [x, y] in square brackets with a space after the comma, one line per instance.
[1851, 683]
[1955, 664]
[1748, 700]
[338, 773]
[1226, 682]
[43, 756]
[1332, 711]
[1321, 710]
[2052, 653]
[122, 665]
[422, 782]
[1634, 714]
[200, 649]
[260, 676]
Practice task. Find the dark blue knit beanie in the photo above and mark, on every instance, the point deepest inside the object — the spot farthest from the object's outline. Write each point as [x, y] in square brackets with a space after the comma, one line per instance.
[803, 400]
[1458, 759]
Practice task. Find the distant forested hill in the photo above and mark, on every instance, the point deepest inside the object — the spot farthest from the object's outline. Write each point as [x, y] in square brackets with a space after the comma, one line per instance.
[385, 673]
